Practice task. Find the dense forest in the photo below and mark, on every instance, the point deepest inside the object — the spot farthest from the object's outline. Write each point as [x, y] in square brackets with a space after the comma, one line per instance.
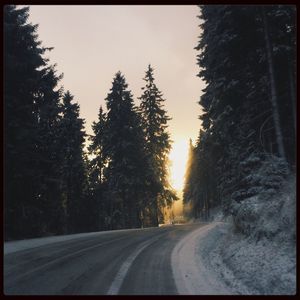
[247, 142]
[60, 180]
[237, 204]
[52, 185]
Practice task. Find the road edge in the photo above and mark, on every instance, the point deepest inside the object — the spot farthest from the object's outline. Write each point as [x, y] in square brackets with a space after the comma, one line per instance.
[189, 272]
[26, 244]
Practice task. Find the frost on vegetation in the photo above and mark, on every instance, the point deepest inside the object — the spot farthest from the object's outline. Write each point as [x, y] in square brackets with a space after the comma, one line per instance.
[258, 187]
[256, 254]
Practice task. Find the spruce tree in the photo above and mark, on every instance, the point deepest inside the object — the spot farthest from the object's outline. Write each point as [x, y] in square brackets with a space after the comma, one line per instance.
[73, 167]
[127, 171]
[241, 49]
[36, 137]
[190, 174]
[97, 165]
[48, 147]
[23, 71]
[158, 144]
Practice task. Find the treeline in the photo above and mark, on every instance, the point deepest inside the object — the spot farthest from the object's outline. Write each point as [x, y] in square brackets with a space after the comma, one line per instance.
[52, 185]
[246, 146]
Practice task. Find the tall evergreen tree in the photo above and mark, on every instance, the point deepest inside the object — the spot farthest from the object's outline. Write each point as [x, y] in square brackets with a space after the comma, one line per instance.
[48, 147]
[73, 167]
[273, 93]
[279, 29]
[189, 176]
[245, 55]
[24, 68]
[43, 139]
[97, 165]
[127, 172]
[96, 147]
[158, 144]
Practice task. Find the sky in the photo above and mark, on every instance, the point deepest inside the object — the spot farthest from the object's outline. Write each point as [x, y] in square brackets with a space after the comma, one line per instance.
[92, 42]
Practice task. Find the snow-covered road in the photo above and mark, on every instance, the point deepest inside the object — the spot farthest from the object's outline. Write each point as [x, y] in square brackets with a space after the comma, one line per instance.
[185, 259]
[116, 262]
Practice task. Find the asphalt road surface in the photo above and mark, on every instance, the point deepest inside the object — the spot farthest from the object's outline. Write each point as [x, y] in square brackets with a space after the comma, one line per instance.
[131, 262]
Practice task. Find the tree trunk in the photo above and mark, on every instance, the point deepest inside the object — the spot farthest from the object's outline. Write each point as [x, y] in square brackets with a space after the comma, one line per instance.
[274, 97]
[293, 94]
[155, 213]
[111, 214]
[208, 206]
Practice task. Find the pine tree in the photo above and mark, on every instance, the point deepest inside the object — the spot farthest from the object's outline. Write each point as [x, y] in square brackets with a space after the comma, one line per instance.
[39, 174]
[48, 147]
[23, 71]
[73, 167]
[127, 171]
[158, 144]
[190, 174]
[279, 24]
[96, 147]
[241, 49]
[97, 165]
[274, 100]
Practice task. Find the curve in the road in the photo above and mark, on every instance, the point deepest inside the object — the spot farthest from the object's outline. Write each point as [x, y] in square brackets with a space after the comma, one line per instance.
[189, 272]
[136, 262]
[62, 258]
[117, 282]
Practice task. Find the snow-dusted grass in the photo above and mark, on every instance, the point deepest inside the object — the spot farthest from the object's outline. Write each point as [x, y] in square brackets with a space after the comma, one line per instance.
[261, 260]
[209, 252]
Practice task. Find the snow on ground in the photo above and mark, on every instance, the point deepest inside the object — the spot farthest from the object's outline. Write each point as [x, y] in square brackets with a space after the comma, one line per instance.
[15, 246]
[191, 275]
[219, 259]
[216, 214]
[264, 261]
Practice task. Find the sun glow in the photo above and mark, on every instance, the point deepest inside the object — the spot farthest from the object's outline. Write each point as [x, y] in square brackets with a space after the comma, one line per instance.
[178, 157]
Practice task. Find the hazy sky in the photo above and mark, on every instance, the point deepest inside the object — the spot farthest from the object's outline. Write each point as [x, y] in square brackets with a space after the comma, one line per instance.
[91, 43]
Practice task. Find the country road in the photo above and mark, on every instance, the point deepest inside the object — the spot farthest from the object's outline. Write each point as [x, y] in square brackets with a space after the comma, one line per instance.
[117, 262]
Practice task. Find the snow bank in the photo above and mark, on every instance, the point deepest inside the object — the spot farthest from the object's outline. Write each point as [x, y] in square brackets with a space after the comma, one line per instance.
[189, 271]
[209, 251]
[216, 214]
[262, 258]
